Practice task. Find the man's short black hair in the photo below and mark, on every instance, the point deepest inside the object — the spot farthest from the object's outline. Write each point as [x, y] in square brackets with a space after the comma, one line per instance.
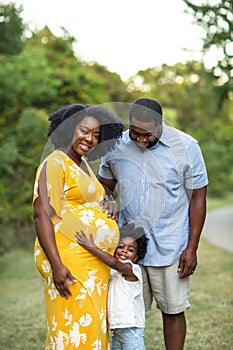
[146, 109]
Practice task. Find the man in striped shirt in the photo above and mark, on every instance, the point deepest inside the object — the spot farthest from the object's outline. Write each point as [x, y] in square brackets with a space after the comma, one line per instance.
[162, 181]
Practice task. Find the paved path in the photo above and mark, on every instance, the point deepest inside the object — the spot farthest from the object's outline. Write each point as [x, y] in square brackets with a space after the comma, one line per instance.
[218, 228]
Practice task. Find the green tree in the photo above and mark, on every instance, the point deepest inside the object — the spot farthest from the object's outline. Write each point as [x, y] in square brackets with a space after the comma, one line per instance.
[110, 86]
[20, 154]
[45, 75]
[77, 81]
[216, 19]
[66, 70]
[191, 104]
[11, 29]
[184, 90]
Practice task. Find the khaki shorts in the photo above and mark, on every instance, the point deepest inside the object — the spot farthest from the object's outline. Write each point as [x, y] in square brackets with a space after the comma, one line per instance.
[170, 292]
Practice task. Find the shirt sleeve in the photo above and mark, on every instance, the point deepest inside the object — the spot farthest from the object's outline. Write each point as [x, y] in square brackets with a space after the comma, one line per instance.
[105, 169]
[195, 174]
[50, 181]
[135, 268]
[137, 271]
[55, 183]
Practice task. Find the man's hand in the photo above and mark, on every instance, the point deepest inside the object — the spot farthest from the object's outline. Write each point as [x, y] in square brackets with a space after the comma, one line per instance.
[111, 206]
[187, 263]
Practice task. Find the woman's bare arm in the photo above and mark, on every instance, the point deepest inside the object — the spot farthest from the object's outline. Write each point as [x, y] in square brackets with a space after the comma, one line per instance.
[45, 232]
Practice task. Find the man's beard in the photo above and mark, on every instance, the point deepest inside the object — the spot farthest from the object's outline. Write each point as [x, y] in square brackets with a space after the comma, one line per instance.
[152, 143]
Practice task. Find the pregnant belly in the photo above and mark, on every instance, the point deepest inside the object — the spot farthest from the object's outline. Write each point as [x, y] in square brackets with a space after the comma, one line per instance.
[89, 218]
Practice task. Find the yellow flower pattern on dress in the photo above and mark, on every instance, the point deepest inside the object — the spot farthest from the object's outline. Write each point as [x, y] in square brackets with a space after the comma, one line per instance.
[78, 322]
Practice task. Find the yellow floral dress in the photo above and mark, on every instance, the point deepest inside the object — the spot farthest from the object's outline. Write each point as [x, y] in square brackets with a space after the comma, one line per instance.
[78, 322]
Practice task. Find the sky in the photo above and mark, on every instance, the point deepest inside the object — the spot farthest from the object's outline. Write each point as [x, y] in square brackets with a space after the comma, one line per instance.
[125, 36]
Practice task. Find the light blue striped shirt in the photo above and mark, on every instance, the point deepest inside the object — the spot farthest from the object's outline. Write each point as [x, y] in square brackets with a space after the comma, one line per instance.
[151, 189]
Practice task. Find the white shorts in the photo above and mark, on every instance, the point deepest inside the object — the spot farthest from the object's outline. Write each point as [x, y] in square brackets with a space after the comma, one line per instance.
[170, 292]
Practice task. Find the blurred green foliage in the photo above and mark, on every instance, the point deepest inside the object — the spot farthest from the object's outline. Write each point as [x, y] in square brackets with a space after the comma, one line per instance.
[44, 73]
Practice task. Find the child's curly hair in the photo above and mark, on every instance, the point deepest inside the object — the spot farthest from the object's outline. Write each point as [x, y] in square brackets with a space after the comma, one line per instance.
[138, 233]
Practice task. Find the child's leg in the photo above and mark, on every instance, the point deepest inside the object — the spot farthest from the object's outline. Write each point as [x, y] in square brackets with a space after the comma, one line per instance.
[128, 339]
[116, 341]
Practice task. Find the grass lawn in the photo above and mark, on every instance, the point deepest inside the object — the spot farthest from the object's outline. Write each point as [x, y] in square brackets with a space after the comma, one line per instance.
[21, 303]
[213, 203]
[209, 319]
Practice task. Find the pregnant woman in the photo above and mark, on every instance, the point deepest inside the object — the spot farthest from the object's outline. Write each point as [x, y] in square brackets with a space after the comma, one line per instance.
[66, 199]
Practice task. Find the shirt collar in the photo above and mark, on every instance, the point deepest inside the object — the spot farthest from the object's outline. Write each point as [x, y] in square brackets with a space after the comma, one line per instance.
[164, 138]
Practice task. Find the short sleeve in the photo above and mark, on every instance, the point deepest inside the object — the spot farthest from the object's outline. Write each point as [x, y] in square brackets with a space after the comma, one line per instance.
[36, 185]
[50, 177]
[137, 271]
[105, 169]
[135, 268]
[55, 182]
[196, 173]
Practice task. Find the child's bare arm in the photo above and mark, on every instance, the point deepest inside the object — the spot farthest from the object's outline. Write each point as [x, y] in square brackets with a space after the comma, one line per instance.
[108, 259]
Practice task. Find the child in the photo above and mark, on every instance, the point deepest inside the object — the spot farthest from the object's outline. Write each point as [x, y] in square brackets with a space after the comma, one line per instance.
[126, 311]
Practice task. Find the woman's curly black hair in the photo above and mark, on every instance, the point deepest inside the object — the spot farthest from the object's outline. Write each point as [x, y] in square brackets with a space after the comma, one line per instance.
[64, 120]
[138, 233]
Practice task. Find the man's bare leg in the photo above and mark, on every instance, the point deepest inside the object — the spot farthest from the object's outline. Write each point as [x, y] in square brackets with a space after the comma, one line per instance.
[174, 330]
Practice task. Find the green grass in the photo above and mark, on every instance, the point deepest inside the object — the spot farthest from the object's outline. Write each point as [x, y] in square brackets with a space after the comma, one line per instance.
[209, 319]
[21, 303]
[213, 203]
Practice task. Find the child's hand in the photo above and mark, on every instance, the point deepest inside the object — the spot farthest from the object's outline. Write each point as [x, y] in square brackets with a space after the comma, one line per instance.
[83, 240]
